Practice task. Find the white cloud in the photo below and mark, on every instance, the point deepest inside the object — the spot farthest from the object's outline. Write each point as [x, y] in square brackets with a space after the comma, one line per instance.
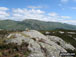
[3, 9]
[27, 14]
[38, 7]
[17, 15]
[33, 7]
[58, 18]
[73, 22]
[53, 14]
[65, 17]
[21, 14]
[18, 10]
[36, 11]
[27, 11]
[3, 12]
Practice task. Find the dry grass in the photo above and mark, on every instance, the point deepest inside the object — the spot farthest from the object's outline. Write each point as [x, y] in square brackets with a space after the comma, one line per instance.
[13, 36]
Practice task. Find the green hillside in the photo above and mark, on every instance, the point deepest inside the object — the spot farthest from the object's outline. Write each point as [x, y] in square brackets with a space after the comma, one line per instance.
[34, 24]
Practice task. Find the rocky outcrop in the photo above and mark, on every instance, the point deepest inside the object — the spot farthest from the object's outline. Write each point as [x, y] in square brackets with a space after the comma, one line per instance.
[61, 42]
[39, 44]
[34, 34]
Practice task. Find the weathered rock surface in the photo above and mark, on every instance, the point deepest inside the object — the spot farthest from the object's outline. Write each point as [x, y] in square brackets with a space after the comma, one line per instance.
[39, 44]
[34, 34]
[61, 42]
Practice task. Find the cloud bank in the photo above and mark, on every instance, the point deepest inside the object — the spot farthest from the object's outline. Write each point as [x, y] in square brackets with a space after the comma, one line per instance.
[20, 14]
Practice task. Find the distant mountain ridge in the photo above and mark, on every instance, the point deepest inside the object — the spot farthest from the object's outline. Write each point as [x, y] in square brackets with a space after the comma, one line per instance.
[34, 24]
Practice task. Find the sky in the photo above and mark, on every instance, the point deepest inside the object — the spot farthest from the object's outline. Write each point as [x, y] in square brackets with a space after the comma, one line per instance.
[46, 10]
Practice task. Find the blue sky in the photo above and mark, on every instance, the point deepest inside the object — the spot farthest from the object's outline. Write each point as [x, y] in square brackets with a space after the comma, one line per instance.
[46, 10]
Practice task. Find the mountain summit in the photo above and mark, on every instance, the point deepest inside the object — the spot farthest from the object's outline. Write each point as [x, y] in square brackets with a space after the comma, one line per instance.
[39, 44]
